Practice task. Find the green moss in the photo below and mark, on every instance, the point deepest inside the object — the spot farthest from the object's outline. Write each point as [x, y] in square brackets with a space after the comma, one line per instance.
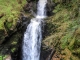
[13, 49]
[11, 10]
[1, 57]
[14, 43]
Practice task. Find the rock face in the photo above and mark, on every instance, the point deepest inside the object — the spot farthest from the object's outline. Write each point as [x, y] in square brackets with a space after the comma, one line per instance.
[50, 7]
[30, 6]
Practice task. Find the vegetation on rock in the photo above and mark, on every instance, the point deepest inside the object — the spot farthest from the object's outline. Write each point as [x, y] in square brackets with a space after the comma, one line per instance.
[63, 30]
[10, 11]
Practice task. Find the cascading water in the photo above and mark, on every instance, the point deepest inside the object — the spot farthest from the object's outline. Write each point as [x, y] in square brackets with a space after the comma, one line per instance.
[41, 11]
[33, 35]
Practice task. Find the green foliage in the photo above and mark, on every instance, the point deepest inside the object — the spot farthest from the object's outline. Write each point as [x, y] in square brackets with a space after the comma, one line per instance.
[1, 57]
[12, 50]
[10, 9]
[57, 8]
[65, 41]
[66, 38]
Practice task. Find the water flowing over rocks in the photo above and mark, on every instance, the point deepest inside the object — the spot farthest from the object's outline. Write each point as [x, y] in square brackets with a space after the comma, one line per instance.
[31, 44]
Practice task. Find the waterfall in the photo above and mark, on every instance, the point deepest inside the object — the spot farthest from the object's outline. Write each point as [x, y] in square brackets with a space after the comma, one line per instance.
[33, 35]
[41, 11]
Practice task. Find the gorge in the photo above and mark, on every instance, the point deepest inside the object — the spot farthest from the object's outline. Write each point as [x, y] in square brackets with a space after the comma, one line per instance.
[55, 29]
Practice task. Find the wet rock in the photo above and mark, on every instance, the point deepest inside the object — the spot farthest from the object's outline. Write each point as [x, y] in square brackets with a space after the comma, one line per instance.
[46, 53]
[50, 7]
[31, 0]
[30, 6]
[2, 36]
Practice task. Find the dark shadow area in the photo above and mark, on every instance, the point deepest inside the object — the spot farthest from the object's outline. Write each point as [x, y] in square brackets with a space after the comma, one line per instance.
[49, 29]
[47, 53]
[25, 23]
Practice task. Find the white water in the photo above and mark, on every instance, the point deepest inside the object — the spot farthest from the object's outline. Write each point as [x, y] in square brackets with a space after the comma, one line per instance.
[41, 11]
[33, 35]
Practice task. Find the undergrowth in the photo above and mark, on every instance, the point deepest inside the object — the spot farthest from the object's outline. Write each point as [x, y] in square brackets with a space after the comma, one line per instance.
[66, 38]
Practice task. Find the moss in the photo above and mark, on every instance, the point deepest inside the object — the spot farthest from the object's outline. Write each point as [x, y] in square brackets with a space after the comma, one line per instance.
[13, 50]
[14, 43]
[1, 58]
[11, 44]
[11, 10]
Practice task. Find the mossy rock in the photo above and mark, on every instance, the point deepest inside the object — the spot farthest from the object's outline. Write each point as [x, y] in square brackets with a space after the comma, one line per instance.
[10, 11]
